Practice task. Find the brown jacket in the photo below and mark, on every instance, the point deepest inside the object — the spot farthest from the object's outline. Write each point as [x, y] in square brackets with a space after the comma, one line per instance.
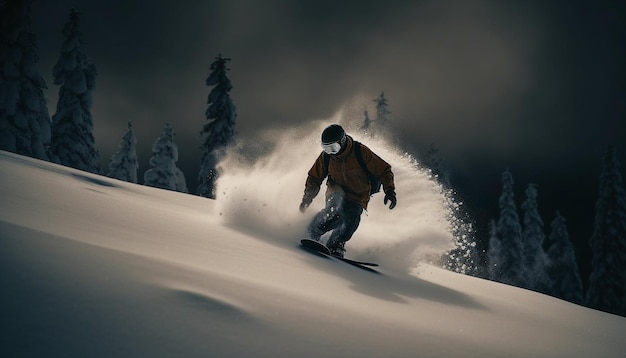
[345, 173]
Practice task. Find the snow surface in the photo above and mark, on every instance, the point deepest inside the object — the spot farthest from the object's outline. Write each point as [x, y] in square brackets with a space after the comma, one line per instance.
[95, 267]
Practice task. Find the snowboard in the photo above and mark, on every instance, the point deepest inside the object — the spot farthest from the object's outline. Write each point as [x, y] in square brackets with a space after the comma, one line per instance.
[321, 248]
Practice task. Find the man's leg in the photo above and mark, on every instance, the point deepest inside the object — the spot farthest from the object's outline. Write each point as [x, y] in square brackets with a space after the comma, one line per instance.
[328, 218]
[350, 219]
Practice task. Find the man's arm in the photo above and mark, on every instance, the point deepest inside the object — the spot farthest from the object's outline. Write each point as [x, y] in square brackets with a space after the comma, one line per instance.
[314, 180]
[378, 166]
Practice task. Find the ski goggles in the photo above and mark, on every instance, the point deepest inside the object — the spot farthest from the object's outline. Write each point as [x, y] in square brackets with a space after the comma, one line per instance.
[331, 148]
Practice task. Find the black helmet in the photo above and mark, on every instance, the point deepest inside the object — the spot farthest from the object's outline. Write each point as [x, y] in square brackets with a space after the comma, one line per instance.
[333, 139]
[334, 133]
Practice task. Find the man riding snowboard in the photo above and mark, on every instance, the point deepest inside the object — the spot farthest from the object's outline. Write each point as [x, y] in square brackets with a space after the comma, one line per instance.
[347, 187]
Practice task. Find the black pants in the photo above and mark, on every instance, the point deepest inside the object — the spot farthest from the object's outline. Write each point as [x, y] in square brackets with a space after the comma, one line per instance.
[341, 216]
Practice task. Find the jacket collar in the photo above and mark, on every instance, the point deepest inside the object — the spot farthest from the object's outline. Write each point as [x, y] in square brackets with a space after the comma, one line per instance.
[347, 149]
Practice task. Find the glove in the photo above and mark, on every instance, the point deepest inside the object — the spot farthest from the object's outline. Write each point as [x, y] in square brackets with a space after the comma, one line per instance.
[303, 206]
[391, 197]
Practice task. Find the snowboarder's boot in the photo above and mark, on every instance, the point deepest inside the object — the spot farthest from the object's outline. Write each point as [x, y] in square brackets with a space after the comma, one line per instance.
[336, 247]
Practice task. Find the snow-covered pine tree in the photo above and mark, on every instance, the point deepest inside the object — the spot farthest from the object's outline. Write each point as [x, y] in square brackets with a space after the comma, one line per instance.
[219, 133]
[509, 233]
[73, 143]
[607, 282]
[164, 173]
[124, 163]
[382, 110]
[379, 126]
[24, 117]
[562, 269]
[534, 256]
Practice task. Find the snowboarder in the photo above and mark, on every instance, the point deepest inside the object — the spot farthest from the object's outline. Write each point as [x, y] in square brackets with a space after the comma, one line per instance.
[347, 188]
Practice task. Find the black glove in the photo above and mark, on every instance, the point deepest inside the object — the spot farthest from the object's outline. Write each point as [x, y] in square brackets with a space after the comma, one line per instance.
[303, 206]
[390, 196]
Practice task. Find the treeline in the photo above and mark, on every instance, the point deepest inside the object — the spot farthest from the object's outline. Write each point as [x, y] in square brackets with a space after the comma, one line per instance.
[523, 252]
[67, 137]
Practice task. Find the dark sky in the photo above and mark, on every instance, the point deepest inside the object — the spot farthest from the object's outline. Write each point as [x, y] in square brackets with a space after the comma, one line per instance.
[538, 87]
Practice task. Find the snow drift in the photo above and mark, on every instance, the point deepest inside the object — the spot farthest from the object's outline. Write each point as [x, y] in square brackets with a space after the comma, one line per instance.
[96, 267]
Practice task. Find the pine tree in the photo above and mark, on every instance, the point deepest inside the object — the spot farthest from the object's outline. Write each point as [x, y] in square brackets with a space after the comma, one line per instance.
[509, 235]
[607, 282]
[534, 257]
[219, 133]
[124, 163]
[164, 174]
[73, 143]
[562, 268]
[382, 110]
[379, 125]
[24, 117]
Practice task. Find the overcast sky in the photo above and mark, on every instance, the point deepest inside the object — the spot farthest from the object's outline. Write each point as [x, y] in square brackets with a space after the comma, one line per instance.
[535, 86]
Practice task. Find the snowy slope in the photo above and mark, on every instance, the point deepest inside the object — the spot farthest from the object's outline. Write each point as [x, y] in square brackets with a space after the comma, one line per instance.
[95, 267]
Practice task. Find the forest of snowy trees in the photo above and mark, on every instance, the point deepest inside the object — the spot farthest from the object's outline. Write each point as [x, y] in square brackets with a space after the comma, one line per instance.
[521, 250]
[521, 254]
[517, 247]
[67, 137]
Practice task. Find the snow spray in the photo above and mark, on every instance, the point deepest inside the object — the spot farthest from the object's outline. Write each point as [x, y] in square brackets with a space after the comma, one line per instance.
[261, 186]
